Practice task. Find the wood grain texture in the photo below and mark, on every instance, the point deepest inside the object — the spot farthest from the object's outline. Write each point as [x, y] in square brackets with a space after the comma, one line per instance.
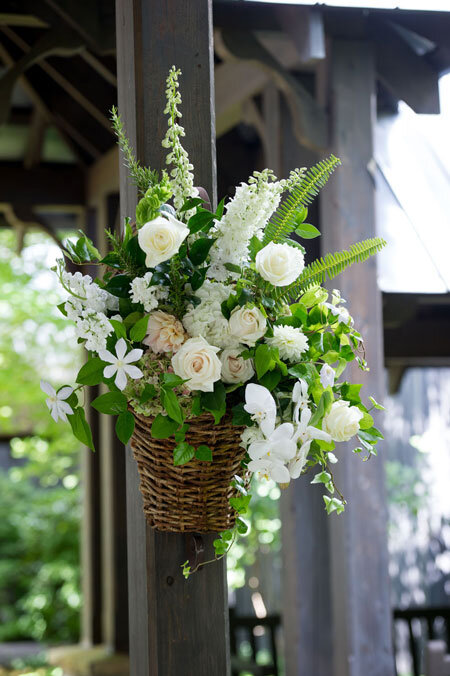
[359, 563]
[176, 626]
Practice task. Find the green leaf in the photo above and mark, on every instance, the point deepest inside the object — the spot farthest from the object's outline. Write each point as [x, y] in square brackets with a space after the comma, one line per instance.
[119, 286]
[135, 251]
[182, 453]
[199, 250]
[366, 421]
[132, 318]
[219, 210]
[314, 296]
[241, 526]
[111, 403]
[198, 221]
[323, 407]
[125, 426]
[172, 380]
[215, 402]
[119, 328]
[264, 360]
[204, 453]
[350, 392]
[240, 417]
[321, 478]
[170, 402]
[139, 330]
[92, 372]
[148, 393]
[307, 231]
[240, 503]
[62, 309]
[163, 427]
[198, 277]
[254, 246]
[112, 260]
[372, 400]
[231, 267]
[333, 505]
[191, 203]
[270, 379]
[80, 427]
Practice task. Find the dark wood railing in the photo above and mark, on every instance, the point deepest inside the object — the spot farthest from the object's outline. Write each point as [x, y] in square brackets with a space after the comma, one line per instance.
[421, 622]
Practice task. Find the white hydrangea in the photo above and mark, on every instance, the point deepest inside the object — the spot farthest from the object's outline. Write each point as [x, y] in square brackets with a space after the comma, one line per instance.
[141, 291]
[206, 318]
[290, 341]
[94, 327]
[246, 215]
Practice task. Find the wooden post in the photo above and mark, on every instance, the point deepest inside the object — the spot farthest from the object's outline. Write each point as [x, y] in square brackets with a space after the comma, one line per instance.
[176, 626]
[359, 561]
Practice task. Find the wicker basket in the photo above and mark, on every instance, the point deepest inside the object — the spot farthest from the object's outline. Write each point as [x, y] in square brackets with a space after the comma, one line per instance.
[191, 497]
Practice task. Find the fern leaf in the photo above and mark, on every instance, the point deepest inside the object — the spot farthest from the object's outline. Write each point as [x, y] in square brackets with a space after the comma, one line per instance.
[330, 266]
[283, 222]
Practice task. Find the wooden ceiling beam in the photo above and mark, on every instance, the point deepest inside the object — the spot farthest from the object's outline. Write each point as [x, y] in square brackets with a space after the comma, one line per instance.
[36, 132]
[99, 67]
[47, 184]
[23, 20]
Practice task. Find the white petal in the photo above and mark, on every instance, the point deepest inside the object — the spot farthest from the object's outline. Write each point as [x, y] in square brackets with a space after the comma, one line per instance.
[257, 466]
[63, 408]
[121, 348]
[109, 371]
[280, 474]
[105, 355]
[283, 431]
[285, 450]
[54, 412]
[64, 392]
[121, 379]
[305, 417]
[295, 467]
[133, 371]
[268, 424]
[315, 433]
[62, 416]
[258, 449]
[47, 388]
[134, 355]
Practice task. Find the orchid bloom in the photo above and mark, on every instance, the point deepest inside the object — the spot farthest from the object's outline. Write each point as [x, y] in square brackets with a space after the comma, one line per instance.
[261, 406]
[305, 434]
[299, 397]
[270, 468]
[327, 376]
[268, 457]
[121, 364]
[58, 407]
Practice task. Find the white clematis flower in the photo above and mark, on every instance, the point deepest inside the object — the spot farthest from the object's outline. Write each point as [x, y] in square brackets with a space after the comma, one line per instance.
[305, 434]
[261, 406]
[327, 375]
[121, 364]
[58, 407]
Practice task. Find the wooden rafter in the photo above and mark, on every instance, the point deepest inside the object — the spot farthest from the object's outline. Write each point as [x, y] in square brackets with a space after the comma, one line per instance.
[36, 133]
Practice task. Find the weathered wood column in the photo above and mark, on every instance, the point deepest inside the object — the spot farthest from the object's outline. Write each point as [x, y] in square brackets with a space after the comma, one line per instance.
[362, 636]
[176, 626]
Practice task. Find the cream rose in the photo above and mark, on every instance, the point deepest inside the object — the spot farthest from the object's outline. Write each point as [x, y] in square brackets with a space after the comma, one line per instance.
[279, 264]
[161, 238]
[235, 369]
[342, 421]
[197, 362]
[247, 324]
[165, 333]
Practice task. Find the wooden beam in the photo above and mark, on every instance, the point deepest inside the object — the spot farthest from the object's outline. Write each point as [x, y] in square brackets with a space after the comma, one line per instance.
[46, 184]
[177, 626]
[36, 133]
[362, 635]
[99, 67]
[304, 25]
[24, 20]
[406, 75]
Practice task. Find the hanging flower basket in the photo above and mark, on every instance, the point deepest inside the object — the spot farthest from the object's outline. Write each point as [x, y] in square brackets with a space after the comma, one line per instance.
[193, 497]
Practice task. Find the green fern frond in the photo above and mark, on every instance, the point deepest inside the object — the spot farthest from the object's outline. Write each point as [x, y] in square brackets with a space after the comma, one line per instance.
[283, 221]
[330, 266]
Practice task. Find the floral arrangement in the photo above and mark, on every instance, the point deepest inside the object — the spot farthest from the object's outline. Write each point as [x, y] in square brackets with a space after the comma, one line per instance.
[214, 311]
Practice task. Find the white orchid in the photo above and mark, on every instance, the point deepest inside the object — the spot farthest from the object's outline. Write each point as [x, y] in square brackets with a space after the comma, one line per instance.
[121, 364]
[305, 434]
[270, 468]
[327, 375]
[281, 444]
[299, 397]
[58, 407]
[261, 406]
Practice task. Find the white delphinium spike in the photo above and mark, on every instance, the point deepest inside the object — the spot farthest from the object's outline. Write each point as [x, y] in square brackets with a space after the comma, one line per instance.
[120, 364]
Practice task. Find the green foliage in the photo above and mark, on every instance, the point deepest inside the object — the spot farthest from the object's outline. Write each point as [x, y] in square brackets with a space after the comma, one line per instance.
[330, 266]
[143, 177]
[291, 212]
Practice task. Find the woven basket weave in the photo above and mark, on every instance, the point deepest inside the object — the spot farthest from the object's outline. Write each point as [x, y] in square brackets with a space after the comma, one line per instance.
[191, 497]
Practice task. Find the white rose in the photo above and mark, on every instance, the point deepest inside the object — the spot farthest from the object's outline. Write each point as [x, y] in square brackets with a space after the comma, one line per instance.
[235, 369]
[161, 238]
[247, 324]
[279, 264]
[342, 421]
[197, 362]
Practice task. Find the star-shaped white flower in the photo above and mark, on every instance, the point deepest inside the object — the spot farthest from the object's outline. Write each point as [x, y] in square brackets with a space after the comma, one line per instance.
[58, 407]
[121, 364]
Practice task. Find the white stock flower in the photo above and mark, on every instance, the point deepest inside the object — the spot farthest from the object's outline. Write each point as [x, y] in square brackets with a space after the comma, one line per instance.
[290, 341]
[161, 239]
[261, 406]
[206, 318]
[58, 407]
[248, 324]
[304, 435]
[121, 364]
[142, 291]
[279, 264]
[197, 362]
[342, 421]
[94, 328]
[327, 375]
[165, 333]
[88, 295]
[235, 369]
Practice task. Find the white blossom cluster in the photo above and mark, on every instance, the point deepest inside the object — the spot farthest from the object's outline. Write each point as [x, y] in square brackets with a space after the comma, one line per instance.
[206, 318]
[141, 291]
[246, 215]
[182, 178]
[87, 306]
